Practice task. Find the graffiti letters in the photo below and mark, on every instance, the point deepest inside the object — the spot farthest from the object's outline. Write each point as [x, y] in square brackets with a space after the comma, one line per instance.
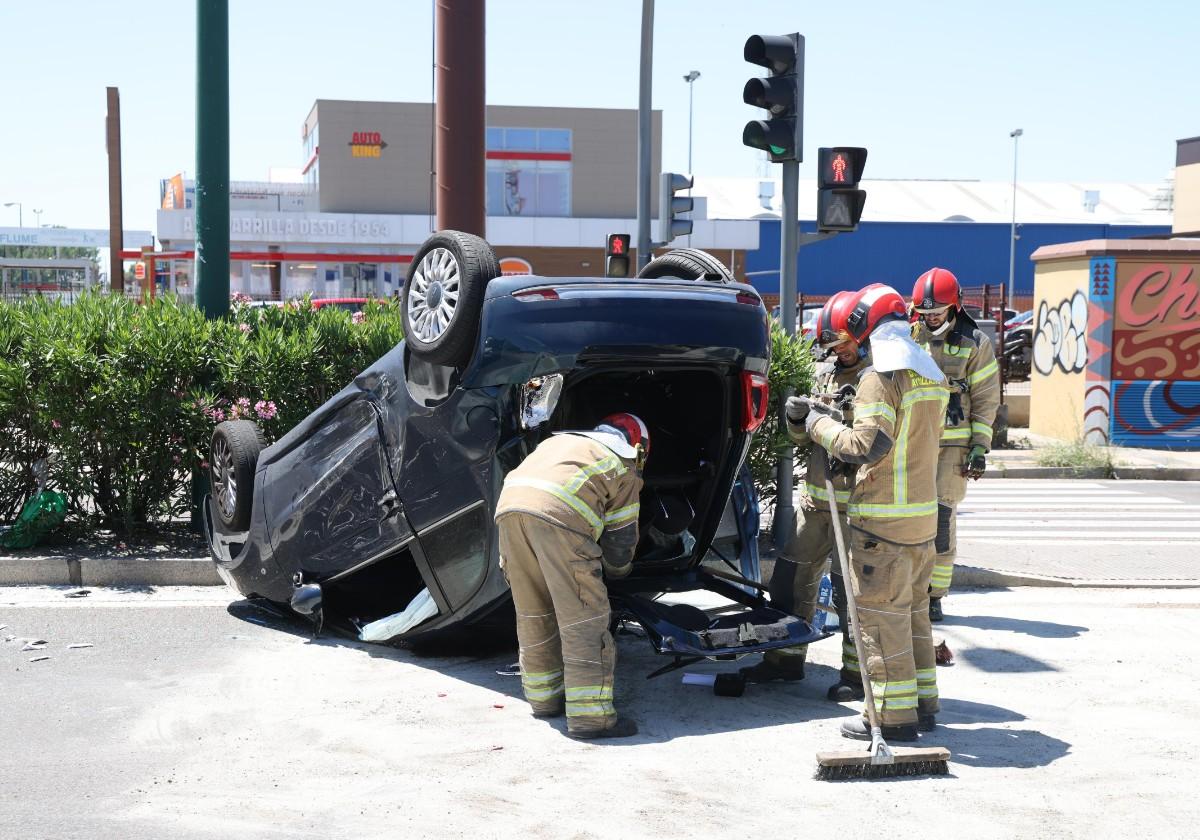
[1159, 298]
[1061, 336]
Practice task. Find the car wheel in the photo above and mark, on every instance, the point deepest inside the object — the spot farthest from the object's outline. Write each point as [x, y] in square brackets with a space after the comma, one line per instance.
[687, 264]
[232, 460]
[443, 296]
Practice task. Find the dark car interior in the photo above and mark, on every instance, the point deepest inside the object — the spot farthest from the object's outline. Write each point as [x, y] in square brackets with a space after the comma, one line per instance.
[688, 413]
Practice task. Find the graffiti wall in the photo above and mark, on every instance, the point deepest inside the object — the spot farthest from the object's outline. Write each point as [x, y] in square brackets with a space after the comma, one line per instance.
[1116, 349]
[1155, 367]
[1060, 349]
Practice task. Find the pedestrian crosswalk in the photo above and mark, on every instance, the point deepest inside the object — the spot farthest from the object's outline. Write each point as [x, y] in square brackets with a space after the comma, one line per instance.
[1079, 513]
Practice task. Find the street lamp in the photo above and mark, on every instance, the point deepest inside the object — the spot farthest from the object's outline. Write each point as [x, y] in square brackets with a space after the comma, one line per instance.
[1012, 238]
[689, 78]
[20, 216]
[38, 213]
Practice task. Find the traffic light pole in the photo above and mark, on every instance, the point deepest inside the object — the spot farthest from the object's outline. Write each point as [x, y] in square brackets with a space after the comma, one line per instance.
[789, 227]
[644, 248]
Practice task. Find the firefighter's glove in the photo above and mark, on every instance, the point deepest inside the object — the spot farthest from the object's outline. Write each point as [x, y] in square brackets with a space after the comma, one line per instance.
[818, 410]
[796, 409]
[954, 410]
[976, 462]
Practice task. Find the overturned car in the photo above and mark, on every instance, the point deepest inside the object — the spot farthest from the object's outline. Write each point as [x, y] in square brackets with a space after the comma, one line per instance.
[375, 514]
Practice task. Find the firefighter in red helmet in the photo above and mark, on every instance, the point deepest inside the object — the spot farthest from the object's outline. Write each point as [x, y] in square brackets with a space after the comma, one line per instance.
[568, 517]
[796, 577]
[965, 355]
[892, 510]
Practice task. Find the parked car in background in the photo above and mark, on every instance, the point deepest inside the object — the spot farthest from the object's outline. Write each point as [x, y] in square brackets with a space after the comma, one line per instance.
[375, 513]
[806, 318]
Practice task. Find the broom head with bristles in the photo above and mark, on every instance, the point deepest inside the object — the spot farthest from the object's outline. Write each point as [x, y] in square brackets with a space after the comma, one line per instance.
[860, 764]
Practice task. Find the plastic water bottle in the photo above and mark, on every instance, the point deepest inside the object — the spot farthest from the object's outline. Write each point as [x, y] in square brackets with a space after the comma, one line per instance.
[823, 620]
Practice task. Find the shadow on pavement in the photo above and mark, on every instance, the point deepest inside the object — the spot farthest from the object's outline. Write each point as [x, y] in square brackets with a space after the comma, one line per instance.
[968, 711]
[664, 708]
[1040, 629]
[994, 747]
[1001, 661]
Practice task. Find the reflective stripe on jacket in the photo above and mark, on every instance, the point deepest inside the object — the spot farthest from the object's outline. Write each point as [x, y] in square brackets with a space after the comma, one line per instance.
[829, 380]
[966, 357]
[575, 482]
[895, 497]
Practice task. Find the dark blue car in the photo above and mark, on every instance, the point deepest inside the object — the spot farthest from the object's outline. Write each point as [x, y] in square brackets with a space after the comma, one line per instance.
[375, 513]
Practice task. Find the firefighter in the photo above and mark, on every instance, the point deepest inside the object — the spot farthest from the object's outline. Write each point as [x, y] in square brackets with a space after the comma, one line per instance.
[965, 355]
[567, 518]
[898, 410]
[796, 577]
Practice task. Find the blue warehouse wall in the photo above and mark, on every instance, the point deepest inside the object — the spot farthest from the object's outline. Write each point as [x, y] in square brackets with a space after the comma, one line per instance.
[897, 252]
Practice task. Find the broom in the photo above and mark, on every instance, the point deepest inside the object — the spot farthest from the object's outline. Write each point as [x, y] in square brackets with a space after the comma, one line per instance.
[880, 761]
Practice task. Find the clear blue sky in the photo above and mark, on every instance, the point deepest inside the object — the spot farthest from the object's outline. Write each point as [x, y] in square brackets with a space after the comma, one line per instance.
[1101, 88]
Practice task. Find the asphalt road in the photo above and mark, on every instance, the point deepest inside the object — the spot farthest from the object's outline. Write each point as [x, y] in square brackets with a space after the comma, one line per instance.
[1083, 530]
[1070, 713]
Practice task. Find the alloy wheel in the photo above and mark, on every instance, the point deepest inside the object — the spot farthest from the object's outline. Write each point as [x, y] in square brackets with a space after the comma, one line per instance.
[433, 296]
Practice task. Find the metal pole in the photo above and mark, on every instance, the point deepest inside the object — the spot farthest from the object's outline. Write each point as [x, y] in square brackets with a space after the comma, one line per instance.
[691, 85]
[212, 157]
[116, 233]
[789, 226]
[461, 116]
[1012, 235]
[644, 247]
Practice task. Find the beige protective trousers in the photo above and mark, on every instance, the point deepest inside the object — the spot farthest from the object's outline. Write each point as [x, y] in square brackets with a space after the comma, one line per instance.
[951, 489]
[796, 581]
[891, 583]
[567, 653]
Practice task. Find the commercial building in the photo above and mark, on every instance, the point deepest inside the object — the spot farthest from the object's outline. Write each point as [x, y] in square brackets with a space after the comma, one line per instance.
[559, 180]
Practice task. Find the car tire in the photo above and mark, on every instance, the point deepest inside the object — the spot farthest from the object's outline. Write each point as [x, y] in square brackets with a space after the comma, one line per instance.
[437, 327]
[687, 264]
[233, 457]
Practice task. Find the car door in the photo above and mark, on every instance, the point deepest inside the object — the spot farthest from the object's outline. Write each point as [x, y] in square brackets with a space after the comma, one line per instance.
[330, 500]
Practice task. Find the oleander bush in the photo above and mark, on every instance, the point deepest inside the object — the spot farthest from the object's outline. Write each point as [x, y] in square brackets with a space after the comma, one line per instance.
[123, 396]
[791, 368]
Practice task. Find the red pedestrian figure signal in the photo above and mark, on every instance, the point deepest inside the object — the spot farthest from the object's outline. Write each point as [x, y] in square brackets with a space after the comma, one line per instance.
[839, 169]
[616, 255]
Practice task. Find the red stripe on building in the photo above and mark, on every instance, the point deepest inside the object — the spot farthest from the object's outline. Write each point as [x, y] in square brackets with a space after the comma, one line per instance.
[528, 155]
[278, 256]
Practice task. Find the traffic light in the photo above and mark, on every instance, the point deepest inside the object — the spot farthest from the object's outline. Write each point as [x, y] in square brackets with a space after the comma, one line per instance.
[616, 255]
[782, 93]
[839, 202]
[669, 205]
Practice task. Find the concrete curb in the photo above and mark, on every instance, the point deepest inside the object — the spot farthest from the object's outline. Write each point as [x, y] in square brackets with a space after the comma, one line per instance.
[115, 572]
[998, 469]
[200, 571]
[973, 577]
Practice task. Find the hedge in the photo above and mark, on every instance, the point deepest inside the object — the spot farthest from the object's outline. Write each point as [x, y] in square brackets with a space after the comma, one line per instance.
[125, 395]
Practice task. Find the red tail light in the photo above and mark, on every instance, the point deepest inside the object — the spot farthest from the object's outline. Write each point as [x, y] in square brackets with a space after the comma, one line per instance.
[755, 392]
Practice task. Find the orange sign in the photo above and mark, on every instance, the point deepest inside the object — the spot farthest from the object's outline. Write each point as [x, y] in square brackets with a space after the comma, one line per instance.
[366, 144]
[510, 266]
[139, 270]
[172, 193]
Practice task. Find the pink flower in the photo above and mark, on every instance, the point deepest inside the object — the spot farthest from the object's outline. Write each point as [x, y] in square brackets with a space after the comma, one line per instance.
[175, 458]
[204, 465]
[359, 317]
[55, 424]
[239, 297]
[265, 409]
[243, 402]
[217, 414]
[177, 394]
[245, 328]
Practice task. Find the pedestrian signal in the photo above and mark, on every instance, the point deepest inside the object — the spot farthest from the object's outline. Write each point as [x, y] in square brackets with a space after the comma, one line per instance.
[616, 255]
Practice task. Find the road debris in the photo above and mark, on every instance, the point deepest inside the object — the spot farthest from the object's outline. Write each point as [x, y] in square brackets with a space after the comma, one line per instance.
[78, 593]
[78, 645]
[38, 658]
[38, 644]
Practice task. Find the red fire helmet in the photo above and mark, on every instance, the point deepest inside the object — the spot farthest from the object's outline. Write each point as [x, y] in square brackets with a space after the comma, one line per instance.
[871, 306]
[632, 427]
[936, 289]
[834, 311]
